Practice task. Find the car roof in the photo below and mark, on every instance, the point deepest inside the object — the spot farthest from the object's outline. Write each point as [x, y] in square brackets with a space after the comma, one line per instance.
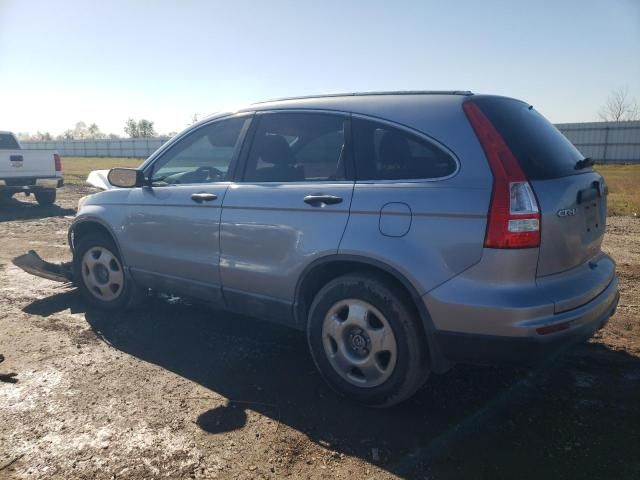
[359, 102]
[369, 94]
[365, 103]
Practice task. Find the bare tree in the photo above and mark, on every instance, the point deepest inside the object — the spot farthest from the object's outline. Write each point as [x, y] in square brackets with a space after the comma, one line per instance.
[41, 136]
[619, 107]
[94, 132]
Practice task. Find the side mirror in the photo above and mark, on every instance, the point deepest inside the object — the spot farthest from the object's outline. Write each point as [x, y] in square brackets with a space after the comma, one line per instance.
[125, 177]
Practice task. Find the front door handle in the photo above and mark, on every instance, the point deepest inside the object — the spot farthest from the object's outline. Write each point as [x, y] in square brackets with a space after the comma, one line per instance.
[318, 200]
[203, 197]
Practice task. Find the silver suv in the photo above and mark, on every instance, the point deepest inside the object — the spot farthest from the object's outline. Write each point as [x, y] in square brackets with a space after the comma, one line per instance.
[403, 232]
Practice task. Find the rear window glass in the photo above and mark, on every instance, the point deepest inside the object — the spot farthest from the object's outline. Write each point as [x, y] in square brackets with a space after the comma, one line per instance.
[7, 142]
[542, 151]
[383, 152]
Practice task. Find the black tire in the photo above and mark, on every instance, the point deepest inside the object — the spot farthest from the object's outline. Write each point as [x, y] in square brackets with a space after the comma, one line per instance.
[46, 198]
[130, 294]
[411, 367]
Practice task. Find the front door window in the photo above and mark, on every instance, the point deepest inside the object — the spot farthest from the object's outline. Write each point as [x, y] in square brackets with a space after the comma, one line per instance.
[203, 156]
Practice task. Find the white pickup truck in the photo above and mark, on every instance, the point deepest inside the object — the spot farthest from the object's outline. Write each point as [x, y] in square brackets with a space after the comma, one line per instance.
[28, 171]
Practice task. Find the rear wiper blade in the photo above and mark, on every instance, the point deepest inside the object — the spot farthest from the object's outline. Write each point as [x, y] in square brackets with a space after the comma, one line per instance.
[584, 163]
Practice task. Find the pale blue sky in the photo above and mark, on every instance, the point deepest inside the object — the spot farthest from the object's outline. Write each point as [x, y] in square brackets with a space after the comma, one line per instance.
[104, 61]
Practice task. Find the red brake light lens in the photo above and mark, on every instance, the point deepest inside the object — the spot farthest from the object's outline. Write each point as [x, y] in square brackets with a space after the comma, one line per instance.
[514, 216]
[58, 162]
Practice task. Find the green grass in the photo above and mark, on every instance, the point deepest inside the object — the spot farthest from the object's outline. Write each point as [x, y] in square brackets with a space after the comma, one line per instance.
[623, 180]
[76, 169]
[624, 188]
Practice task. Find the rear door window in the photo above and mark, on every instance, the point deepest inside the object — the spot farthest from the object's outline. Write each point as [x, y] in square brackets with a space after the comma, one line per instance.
[542, 151]
[8, 142]
[297, 147]
[383, 152]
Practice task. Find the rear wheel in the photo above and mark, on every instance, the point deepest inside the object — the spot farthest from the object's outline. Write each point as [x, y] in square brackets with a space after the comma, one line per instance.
[46, 197]
[365, 340]
[99, 274]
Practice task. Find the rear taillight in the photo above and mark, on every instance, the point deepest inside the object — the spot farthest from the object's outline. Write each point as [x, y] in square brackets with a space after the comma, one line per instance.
[514, 216]
[57, 162]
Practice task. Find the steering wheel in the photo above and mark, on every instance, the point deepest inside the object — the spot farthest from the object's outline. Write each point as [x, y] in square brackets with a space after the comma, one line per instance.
[205, 174]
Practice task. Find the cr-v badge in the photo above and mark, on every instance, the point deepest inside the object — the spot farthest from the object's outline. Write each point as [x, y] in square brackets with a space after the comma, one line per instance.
[567, 212]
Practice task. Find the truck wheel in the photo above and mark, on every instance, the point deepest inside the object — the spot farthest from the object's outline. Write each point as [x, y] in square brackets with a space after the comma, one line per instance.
[366, 342]
[46, 197]
[99, 274]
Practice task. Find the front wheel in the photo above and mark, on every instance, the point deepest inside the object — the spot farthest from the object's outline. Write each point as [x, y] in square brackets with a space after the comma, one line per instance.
[365, 340]
[99, 274]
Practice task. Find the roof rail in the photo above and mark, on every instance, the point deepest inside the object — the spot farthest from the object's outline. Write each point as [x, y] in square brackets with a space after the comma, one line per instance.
[364, 94]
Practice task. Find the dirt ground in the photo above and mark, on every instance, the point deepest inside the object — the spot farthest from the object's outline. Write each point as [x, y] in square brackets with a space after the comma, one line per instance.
[180, 391]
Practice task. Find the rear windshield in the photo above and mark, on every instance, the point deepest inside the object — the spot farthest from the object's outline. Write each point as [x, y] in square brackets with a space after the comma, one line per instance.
[542, 151]
[7, 142]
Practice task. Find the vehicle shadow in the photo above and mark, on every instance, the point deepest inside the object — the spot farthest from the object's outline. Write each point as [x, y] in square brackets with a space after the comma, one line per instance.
[472, 422]
[14, 209]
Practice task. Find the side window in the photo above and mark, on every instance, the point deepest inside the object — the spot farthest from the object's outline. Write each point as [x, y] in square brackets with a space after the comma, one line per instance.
[387, 153]
[203, 156]
[294, 147]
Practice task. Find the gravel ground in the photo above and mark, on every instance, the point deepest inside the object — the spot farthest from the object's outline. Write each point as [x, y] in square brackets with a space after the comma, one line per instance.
[181, 391]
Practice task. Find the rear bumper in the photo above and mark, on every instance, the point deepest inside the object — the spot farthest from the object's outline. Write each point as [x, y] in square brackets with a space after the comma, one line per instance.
[28, 185]
[582, 323]
[578, 326]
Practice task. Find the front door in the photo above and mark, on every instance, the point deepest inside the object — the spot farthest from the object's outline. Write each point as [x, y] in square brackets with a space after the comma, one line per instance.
[170, 238]
[290, 208]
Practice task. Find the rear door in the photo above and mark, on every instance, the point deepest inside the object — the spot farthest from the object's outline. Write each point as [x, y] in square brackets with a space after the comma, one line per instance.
[290, 207]
[572, 197]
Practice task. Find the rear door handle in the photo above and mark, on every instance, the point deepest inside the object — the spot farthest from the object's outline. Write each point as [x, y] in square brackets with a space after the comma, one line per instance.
[319, 199]
[203, 197]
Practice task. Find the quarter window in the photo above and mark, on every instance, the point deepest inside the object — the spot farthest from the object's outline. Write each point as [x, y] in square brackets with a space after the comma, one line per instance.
[203, 156]
[291, 147]
[387, 153]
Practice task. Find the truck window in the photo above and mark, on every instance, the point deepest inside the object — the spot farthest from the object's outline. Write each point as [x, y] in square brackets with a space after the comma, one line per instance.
[8, 142]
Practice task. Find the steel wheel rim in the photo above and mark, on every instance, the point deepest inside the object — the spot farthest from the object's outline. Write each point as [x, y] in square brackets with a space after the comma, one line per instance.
[359, 343]
[102, 274]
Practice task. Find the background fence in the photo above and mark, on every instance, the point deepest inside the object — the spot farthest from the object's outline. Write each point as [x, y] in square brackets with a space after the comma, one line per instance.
[117, 147]
[604, 142]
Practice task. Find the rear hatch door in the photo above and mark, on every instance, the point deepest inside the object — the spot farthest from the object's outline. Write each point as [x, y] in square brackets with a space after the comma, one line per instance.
[572, 201]
[574, 214]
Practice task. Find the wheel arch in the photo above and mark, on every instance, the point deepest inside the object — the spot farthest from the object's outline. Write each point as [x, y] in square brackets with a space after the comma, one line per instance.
[322, 270]
[82, 227]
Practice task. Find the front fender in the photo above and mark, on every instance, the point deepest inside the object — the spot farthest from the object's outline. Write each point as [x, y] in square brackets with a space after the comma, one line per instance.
[92, 214]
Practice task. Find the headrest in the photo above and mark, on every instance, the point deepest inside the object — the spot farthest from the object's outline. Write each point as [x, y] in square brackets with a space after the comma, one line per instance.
[274, 149]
